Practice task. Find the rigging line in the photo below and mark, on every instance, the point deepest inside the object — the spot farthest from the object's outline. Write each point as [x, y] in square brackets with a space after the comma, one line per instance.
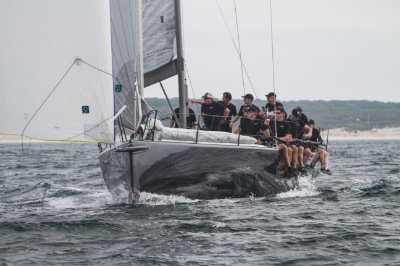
[240, 49]
[45, 100]
[272, 58]
[184, 56]
[191, 86]
[272, 47]
[237, 50]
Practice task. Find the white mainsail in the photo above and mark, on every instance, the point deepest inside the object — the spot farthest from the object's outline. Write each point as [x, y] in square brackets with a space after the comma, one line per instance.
[41, 41]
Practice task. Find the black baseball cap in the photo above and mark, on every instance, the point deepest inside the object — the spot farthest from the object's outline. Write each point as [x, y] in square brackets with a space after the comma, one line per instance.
[270, 94]
[296, 112]
[248, 96]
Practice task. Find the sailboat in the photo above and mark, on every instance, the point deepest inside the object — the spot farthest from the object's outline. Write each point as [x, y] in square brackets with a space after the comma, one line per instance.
[76, 71]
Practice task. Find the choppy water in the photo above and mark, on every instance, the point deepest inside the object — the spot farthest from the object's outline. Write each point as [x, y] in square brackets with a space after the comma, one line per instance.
[55, 210]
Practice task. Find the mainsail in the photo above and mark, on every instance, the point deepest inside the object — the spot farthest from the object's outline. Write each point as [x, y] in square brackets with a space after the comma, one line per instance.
[159, 40]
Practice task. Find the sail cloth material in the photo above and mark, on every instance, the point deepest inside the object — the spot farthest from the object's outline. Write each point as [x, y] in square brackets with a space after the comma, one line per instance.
[159, 40]
[159, 52]
[44, 91]
[68, 66]
[125, 57]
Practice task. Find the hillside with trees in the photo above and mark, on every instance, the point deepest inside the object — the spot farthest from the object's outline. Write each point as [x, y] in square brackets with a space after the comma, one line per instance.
[352, 115]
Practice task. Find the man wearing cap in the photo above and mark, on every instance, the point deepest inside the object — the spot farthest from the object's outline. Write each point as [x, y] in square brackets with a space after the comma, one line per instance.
[323, 154]
[251, 125]
[279, 129]
[272, 103]
[191, 121]
[297, 112]
[248, 102]
[213, 113]
[300, 130]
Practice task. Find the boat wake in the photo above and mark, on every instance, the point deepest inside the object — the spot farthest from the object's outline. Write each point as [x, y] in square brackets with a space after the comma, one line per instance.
[85, 199]
[156, 199]
[305, 188]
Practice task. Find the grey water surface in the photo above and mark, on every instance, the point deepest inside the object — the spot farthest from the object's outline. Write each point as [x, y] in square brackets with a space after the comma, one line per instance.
[55, 210]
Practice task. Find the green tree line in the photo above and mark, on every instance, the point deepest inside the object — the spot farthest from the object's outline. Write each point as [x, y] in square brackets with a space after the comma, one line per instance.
[352, 115]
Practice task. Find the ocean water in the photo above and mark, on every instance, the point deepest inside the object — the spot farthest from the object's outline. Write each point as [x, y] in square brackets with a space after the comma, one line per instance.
[55, 210]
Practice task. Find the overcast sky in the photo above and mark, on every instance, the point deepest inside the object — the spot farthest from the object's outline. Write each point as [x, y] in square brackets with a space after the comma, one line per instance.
[323, 49]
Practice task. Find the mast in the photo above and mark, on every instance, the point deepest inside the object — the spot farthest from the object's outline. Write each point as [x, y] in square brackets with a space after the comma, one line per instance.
[183, 101]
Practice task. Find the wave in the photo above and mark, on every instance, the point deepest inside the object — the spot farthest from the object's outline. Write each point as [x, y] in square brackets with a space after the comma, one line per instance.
[306, 188]
[156, 199]
[74, 198]
[374, 186]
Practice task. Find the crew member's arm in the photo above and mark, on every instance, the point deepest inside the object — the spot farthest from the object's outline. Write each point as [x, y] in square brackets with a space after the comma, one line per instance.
[226, 113]
[171, 123]
[308, 131]
[236, 118]
[267, 130]
[194, 101]
[287, 137]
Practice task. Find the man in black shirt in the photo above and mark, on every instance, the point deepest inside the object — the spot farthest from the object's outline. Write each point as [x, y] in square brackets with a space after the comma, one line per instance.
[191, 121]
[269, 109]
[283, 136]
[300, 130]
[252, 126]
[299, 115]
[226, 101]
[248, 102]
[213, 113]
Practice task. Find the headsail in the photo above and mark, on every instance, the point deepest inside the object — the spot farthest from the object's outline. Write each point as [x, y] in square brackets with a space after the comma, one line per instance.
[68, 66]
[125, 54]
[159, 52]
[45, 92]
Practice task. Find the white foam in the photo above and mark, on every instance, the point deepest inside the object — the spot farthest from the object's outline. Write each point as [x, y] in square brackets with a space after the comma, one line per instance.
[156, 199]
[93, 200]
[306, 188]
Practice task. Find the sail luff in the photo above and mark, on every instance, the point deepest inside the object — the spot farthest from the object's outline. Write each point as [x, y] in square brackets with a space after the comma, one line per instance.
[140, 43]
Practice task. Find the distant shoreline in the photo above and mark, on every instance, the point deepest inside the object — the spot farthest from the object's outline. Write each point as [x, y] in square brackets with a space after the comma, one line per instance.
[373, 134]
[389, 133]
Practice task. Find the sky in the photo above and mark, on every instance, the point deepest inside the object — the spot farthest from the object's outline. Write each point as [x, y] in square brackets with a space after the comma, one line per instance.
[323, 49]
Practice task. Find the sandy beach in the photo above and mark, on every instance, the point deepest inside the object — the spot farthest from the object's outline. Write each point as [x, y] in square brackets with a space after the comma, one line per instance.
[373, 134]
[334, 134]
